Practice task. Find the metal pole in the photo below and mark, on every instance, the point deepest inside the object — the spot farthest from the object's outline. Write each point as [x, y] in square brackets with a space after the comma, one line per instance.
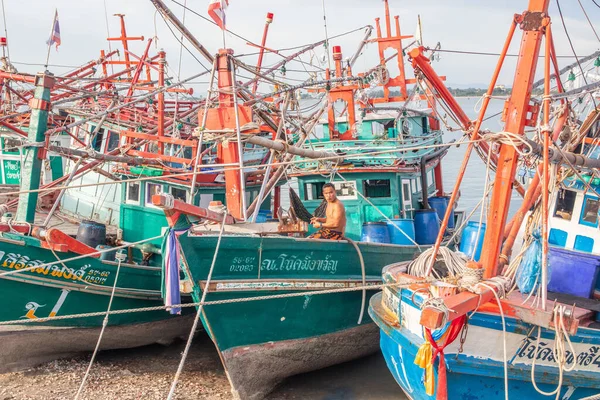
[202, 126]
[239, 138]
[261, 194]
[546, 170]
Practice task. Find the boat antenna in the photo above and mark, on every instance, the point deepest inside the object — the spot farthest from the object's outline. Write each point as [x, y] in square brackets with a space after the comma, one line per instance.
[5, 33]
[326, 36]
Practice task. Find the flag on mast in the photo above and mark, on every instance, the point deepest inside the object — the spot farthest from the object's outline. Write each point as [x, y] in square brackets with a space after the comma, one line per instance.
[216, 10]
[55, 35]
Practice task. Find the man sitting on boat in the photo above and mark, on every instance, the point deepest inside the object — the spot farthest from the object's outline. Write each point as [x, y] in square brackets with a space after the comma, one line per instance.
[333, 226]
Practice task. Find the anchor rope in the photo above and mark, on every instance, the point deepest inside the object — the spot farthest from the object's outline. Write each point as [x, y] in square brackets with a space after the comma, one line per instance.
[364, 280]
[104, 324]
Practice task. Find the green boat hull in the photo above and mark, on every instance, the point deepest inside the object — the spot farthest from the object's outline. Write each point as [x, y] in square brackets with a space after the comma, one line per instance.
[73, 288]
[264, 341]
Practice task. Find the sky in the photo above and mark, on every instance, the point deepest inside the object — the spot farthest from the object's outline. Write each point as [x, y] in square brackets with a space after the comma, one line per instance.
[466, 25]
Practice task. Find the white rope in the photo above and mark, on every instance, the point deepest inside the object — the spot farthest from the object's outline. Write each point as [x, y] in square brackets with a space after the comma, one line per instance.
[364, 280]
[559, 351]
[198, 313]
[210, 303]
[455, 262]
[104, 324]
[509, 138]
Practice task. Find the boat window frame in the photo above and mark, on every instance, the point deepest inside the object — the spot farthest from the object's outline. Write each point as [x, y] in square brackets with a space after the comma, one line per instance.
[582, 221]
[148, 201]
[366, 185]
[127, 198]
[563, 210]
[309, 190]
[187, 193]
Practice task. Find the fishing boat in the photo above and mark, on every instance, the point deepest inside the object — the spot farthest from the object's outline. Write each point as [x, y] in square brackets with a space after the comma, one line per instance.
[64, 271]
[495, 326]
[282, 303]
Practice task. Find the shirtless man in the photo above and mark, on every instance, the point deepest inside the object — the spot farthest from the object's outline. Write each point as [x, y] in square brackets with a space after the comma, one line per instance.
[333, 226]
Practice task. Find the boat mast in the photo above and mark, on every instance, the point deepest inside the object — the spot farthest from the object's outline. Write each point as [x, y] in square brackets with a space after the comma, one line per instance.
[34, 154]
[519, 112]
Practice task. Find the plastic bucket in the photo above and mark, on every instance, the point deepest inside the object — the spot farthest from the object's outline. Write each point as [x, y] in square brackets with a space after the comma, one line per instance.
[375, 232]
[470, 242]
[572, 272]
[407, 226]
[91, 233]
[440, 205]
[427, 226]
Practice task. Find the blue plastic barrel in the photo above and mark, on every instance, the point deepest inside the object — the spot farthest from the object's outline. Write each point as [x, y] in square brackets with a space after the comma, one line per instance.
[263, 215]
[470, 242]
[407, 226]
[427, 226]
[572, 272]
[440, 205]
[91, 233]
[375, 232]
[107, 256]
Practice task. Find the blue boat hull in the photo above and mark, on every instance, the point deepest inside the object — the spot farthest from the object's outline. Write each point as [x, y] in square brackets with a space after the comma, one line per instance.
[473, 378]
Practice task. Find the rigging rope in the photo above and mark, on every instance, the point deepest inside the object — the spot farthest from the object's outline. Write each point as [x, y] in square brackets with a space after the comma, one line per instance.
[120, 258]
[199, 311]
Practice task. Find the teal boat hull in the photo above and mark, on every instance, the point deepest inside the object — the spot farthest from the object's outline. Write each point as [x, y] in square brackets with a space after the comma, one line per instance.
[278, 326]
[33, 327]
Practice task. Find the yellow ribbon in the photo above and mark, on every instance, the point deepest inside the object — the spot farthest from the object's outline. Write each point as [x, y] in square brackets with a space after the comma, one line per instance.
[424, 360]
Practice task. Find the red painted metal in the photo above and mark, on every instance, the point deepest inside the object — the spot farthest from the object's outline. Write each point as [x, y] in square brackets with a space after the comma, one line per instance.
[138, 71]
[261, 52]
[423, 64]
[518, 107]
[174, 211]
[124, 40]
[395, 43]
[55, 237]
[161, 101]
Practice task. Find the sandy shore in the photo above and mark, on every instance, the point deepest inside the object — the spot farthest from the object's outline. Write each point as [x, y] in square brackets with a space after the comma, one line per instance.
[146, 373]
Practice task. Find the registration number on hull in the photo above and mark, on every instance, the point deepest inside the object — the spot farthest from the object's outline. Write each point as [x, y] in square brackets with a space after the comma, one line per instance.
[391, 303]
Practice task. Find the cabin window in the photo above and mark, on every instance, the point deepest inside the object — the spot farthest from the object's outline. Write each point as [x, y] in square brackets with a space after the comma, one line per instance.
[377, 128]
[589, 214]
[133, 193]
[11, 145]
[345, 190]
[180, 194]
[151, 190]
[313, 191]
[406, 127]
[377, 188]
[112, 142]
[565, 201]
[430, 179]
[97, 142]
[425, 124]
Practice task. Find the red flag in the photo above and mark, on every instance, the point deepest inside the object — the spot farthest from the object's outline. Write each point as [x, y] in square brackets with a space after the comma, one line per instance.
[216, 10]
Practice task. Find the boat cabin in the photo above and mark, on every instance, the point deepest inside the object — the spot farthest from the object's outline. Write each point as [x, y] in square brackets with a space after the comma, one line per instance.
[574, 219]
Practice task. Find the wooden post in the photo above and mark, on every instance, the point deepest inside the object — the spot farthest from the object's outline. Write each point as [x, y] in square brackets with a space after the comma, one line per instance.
[32, 161]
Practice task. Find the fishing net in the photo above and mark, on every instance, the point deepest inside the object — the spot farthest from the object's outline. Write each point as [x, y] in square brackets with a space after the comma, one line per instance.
[301, 211]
